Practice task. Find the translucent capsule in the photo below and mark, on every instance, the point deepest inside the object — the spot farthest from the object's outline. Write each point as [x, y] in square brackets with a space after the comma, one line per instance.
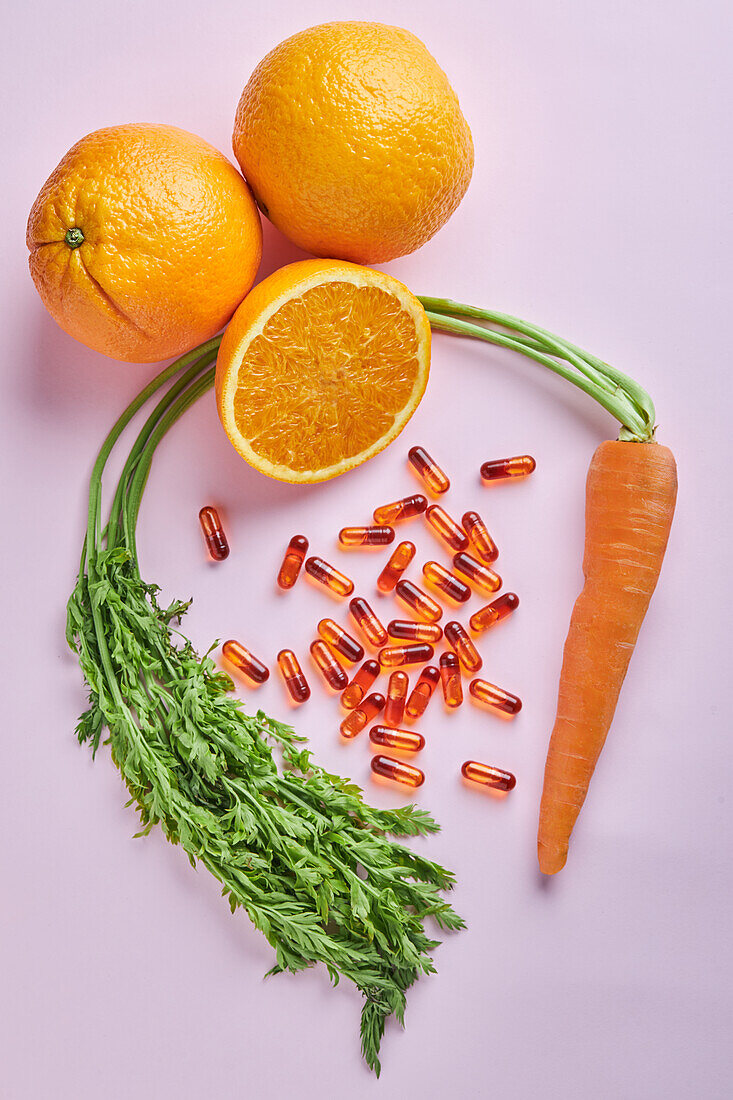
[480, 574]
[354, 723]
[398, 510]
[493, 612]
[360, 684]
[488, 776]
[214, 536]
[442, 578]
[328, 576]
[409, 631]
[401, 557]
[396, 696]
[245, 661]
[422, 604]
[339, 640]
[292, 562]
[466, 651]
[446, 527]
[371, 627]
[450, 677]
[366, 536]
[495, 696]
[428, 469]
[421, 693]
[405, 654]
[402, 740]
[292, 674]
[397, 770]
[500, 468]
[479, 537]
[332, 671]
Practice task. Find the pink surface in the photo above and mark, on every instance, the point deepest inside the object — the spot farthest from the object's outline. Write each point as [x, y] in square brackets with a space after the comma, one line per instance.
[597, 208]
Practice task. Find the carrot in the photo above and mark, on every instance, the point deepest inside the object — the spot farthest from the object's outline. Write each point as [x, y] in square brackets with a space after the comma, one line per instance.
[630, 499]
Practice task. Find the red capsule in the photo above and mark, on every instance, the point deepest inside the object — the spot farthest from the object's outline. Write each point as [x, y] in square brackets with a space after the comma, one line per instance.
[400, 740]
[446, 527]
[360, 684]
[422, 604]
[428, 469]
[398, 771]
[409, 631]
[480, 575]
[366, 536]
[488, 776]
[421, 694]
[371, 627]
[500, 468]
[481, 541]
[354, 723]
[339, 640]
[396, 696]
[331, 670]
[450, 676]
[494, 612]
[405, 654]
[495, 697]
[245, 661]
[458, 639]
[214, 536]
[401, 557]
[293, 560]
[329, 577]
[442, 578]
[292, 674]
[398, 510]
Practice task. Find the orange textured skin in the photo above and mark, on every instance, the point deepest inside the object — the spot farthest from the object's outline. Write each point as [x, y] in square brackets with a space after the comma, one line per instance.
[172, 241]
[630, 499]
[353, 141]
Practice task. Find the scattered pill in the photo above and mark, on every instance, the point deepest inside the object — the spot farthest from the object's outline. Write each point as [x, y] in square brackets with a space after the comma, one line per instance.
[245, 661]
[328, 576]
[442, 578]
[364, 617]
[339, 640]
[401, 557]
[428, 470]
[397, 770]
[405, 654]
[500, 468]
[495, 696]
[446, 527]
[398, 510]
[292, 674]
[402, 740]
[360, 684]
[419, 601]
[290, 569]
[450, 676]
[396, 695]
[479, 537]
[421, 694]
[366, 536]
[493, 612]
[488, 776]
[407, 630]
[466, 651]
[478, 573]
[332, 671]
[214, 536]
[354, 723]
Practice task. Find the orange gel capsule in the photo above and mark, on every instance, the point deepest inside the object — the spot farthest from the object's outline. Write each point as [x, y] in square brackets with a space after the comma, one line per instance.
[405, 654]
[245, 661]
[401, 557]
[495, 696]
[398, 510]
[450, 677]
[329, 577]
[442, 578]
[422, 692]
[396, 696]
[402, 740]
[488, 776]
[332, 671]
[354, 723]
[398, 771]
[409, 631]
[366, 536]
[292, 674]
[494, 612]
[446, 527]
[292, 562]
[479, 537]
[339, 640]
[480, 574]
[422, 604]
[216, 540]
[466, 651]
[371, 627]
[500, 468]
[428, 469]
[360, 684]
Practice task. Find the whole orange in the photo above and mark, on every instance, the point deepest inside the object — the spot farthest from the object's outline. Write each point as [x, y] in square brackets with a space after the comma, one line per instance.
[143, 241]
[353, 141]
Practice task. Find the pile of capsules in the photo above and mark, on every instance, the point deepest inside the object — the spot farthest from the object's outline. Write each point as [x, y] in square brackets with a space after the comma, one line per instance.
[474, 553]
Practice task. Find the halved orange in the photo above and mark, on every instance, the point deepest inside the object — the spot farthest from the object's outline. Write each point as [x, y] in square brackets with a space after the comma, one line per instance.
[321, 366]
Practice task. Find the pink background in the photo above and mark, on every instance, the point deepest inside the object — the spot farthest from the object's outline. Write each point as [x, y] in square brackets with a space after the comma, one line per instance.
[600, 208]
